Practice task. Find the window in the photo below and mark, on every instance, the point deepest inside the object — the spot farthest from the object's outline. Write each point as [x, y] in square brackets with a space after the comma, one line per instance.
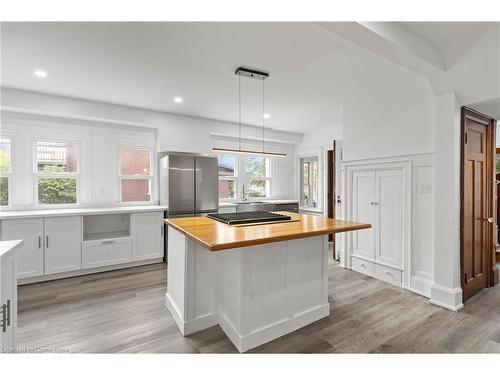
[5, 170]
[56, 172]
[227, 176]
[253, 173]
[309, 182]
[257, 176]
[135, 174]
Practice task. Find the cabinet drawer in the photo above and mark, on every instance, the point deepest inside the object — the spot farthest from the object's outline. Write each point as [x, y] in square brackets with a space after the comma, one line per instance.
[388, 274]
[106, 252]
[362, 266]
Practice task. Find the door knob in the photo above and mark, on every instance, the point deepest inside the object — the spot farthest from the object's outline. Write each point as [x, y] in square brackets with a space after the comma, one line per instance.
[488, 219]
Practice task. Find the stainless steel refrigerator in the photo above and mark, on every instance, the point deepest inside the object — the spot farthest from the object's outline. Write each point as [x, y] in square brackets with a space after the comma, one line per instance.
[189, 185]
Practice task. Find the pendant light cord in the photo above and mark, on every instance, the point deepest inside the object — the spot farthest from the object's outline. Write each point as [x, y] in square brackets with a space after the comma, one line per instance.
[239, 110]
[263, 114]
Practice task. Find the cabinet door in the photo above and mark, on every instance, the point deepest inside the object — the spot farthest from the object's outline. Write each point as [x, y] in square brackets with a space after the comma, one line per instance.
[8, 296]
[389, 220]
[63, 237]
[363, 207]
[147, 235]
[30, 256]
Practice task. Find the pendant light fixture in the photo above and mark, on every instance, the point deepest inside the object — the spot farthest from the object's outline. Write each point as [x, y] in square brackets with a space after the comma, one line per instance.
[254, 74]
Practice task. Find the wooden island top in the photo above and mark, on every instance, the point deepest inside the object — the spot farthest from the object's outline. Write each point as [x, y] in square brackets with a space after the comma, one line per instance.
[216, 236]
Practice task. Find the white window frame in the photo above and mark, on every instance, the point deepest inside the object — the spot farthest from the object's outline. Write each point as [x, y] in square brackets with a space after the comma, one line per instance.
[232, 178]
[249, 178]
[9, 174]
[37, 174]
[122, 177]
[310, 160]
[242, 178]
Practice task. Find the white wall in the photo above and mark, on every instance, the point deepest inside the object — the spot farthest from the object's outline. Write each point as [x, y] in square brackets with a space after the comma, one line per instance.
[397, 124]
[98, 155]
[102, 126]
[397, 120]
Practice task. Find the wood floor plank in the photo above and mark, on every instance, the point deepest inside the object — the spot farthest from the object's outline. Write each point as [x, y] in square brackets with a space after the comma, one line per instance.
[124, 311]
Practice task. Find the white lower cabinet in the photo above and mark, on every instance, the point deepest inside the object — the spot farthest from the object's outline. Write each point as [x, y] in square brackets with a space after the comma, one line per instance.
[378, 198]
[106, 252]
[62, 244]
[30, 256]
[8, 300]
[147, 234]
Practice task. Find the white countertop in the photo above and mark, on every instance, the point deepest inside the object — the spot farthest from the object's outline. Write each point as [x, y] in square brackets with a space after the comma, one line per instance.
[6, 246]
[78, 211]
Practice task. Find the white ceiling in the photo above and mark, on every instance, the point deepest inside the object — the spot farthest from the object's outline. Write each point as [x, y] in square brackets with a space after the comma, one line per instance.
[146, 64]
[441, 33]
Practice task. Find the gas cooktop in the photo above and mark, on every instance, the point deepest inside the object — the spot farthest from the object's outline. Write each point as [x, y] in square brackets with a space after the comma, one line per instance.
[248, 217]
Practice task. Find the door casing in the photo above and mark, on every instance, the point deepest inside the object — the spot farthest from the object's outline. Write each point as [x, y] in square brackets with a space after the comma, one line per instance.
[489, 248]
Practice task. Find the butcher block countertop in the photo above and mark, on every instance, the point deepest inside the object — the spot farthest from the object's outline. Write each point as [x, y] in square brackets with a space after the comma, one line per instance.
[217, 236]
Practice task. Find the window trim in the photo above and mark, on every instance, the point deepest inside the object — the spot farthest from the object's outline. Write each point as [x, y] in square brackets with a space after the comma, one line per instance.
[243, 178]
[234, 178]
[122, 177]
[37, 174]
[10, 173]
[319, 192]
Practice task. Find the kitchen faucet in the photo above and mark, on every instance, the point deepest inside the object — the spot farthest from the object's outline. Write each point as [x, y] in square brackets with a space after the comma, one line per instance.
[243, 195]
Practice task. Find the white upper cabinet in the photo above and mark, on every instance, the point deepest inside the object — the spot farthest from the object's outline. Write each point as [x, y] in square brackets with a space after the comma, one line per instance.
[389, 221]
[363, 199]
[30, 256]
[63, 236]
[147, 234]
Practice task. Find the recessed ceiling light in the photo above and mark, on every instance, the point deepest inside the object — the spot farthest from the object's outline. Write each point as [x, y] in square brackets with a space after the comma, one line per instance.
[267, 115]
[40, 73]
[178, 99]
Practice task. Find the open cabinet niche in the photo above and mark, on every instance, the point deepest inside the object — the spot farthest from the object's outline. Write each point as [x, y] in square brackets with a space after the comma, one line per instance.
[101, 227]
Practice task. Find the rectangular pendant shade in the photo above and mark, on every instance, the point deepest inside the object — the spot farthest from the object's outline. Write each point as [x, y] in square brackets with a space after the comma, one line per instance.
[247, 152]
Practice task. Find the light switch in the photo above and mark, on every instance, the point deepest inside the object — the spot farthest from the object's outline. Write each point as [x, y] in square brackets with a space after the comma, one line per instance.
[425, 189]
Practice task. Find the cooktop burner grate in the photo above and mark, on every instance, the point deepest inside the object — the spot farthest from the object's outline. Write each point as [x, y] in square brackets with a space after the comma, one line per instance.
[248, 217]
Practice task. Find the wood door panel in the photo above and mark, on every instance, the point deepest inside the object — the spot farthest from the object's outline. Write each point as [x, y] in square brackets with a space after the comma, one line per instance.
[477, 175]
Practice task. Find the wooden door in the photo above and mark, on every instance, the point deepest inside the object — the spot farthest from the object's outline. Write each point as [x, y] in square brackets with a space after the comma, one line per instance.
[477, 219]
[389, 216]
[331, 191]
[63, 244]
[30, 256]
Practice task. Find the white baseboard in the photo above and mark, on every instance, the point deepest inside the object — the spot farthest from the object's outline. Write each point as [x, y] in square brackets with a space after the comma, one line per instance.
[190, 326]
[63, 275]
[266, 334]
[448, 298]
[420, 286]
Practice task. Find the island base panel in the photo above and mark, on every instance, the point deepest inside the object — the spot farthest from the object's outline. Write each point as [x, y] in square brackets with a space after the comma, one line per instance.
[256, 294]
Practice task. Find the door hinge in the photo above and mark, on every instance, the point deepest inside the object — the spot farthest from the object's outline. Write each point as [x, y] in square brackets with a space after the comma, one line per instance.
[465, 138]
[465, 279]
[5, 310]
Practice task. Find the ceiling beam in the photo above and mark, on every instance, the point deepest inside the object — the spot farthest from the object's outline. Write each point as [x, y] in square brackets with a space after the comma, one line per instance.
[393, 41]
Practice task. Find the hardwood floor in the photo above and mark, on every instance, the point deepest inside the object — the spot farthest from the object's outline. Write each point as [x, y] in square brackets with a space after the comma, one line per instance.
[124, 311]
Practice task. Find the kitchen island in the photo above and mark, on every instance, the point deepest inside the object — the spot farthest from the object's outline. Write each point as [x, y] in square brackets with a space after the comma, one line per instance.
[257, 282]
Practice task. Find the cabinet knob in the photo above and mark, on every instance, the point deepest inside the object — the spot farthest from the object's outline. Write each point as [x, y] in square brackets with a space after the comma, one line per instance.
[362, 265]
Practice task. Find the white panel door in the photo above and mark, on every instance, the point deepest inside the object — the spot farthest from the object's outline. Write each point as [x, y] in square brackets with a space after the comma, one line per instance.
[147, 234]
[363, 198]
[30, 256]
[389, 220]
[63, 244]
